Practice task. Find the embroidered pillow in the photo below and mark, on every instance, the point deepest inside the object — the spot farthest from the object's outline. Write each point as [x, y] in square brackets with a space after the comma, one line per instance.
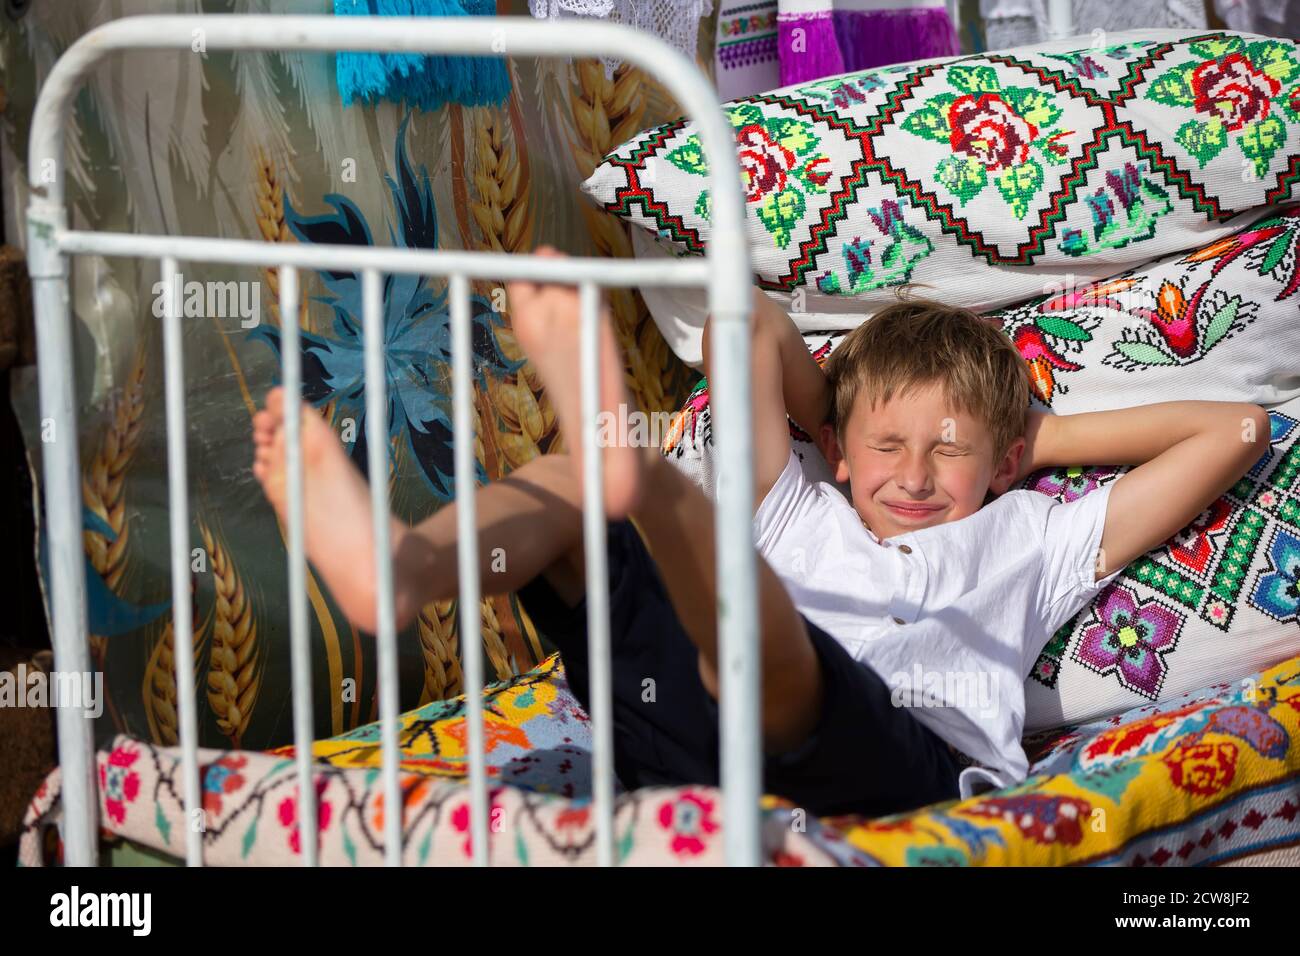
[984, 176]
[1221, 321]
[1218, 601]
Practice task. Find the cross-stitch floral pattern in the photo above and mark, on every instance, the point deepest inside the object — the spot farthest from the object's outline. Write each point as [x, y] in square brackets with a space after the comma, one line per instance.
[999, 164]
[1241, 92]
[999, 134]
[1130, 637]
[1278, 590]
[1203, 778]
[780, 164]
[119, 783]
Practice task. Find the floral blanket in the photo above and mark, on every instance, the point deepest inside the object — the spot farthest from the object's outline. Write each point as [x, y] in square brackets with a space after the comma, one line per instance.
[1201, 779]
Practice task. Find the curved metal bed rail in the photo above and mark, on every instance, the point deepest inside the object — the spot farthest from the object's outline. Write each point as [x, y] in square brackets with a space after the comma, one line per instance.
[725, 272]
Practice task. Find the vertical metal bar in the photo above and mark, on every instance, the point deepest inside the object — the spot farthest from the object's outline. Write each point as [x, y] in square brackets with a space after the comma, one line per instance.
[1060, 19]
[737, 571]
[61, 467]
[299, 645]
[372, 297]
[737, 563]
[593, 526]
[179, 507]
[468, 621]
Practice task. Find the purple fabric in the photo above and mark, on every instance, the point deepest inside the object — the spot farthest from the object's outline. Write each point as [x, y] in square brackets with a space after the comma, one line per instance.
[759, 50]
[870, 38]
[819, 44]
[809, 48]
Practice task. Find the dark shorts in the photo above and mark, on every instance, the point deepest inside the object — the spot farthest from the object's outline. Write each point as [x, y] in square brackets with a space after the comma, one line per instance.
[865, 756]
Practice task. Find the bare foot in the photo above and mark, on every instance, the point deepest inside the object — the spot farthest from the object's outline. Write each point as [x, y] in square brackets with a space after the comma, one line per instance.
[337, 527]
[547, 325]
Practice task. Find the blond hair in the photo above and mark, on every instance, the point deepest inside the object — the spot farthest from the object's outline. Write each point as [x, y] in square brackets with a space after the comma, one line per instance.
[919, 341]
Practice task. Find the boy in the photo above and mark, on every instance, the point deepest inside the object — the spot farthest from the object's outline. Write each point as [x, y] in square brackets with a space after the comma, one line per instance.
[877, 616]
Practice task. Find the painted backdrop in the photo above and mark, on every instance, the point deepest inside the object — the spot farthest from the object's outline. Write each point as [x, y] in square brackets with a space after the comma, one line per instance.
[258, 146]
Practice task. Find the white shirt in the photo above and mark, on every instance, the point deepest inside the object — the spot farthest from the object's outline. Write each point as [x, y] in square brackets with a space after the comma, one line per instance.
[952, 617]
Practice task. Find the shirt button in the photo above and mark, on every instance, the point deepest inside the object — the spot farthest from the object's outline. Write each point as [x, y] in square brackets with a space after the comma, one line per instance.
[899, 620]
[905, 549]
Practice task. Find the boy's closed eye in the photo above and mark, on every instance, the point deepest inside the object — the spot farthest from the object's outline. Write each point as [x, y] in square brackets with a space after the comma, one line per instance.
[947, 450]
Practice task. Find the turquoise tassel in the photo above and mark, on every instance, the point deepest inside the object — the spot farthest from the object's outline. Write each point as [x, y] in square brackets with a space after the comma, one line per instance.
[422, 82]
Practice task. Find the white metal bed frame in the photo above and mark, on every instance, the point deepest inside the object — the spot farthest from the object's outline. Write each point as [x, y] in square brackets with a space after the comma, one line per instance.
[725, 272]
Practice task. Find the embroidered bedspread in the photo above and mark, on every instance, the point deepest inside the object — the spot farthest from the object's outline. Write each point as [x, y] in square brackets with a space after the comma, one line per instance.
[1196, 780]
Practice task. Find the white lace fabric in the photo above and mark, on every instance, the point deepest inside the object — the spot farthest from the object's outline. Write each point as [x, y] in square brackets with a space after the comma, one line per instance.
[675, 21]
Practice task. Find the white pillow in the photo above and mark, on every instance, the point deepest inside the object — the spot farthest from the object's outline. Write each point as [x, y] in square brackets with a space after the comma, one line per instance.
[987, 177]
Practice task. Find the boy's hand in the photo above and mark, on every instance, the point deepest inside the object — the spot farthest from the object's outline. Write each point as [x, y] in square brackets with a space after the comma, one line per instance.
[805, 391]
[770, 433]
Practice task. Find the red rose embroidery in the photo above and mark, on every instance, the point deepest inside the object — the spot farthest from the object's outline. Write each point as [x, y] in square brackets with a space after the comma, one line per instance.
[818, 170]
[989, 131]
[764, 162]
[1233, 90]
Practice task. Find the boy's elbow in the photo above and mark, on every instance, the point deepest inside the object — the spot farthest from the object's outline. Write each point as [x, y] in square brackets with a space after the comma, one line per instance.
[1254, 432]
[1257, 428]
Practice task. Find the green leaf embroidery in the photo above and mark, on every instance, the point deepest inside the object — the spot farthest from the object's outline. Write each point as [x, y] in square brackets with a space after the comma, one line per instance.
[250, 837]
[1275, 253]
[1261, 139]
[1286, 98]
[1174, 88]
[743, 114]
[1018, 185]
[1143, 353]
[780, 213]
[1036, 106]
[1044, 148]
[962, 175]
[1213, 49]
[689, 157]
[704, 205]
[1204, 140]
[973, 79]
[801, 173]
[830, 284]
[521, 848]
[625, 845]
[349, 848]
[1273, 58]
[1221, 324]
[929, 122]
[1062, 328]
[161, 822]
[795, 135]
[892, 257]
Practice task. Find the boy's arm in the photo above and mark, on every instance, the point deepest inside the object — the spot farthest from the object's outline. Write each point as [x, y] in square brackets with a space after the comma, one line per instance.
[804, 388]
[1187, 454]
[782, 371]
